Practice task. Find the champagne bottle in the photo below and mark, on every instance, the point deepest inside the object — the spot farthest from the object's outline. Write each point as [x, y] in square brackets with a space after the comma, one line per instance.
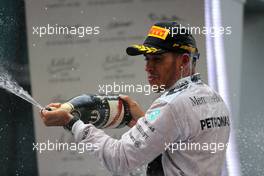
[101, 111]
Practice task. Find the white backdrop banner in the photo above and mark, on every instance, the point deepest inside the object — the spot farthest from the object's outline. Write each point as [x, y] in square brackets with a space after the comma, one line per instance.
[76, 47]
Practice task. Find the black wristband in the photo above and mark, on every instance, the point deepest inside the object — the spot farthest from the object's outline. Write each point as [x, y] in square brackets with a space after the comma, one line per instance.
[71, 123]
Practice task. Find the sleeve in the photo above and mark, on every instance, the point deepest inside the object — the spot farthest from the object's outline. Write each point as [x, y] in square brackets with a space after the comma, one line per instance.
[139, 145]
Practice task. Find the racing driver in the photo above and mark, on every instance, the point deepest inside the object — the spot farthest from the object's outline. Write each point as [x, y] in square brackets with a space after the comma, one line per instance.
[176, 134]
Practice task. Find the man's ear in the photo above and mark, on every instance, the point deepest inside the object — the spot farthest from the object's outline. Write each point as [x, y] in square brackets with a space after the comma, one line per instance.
[185, 59]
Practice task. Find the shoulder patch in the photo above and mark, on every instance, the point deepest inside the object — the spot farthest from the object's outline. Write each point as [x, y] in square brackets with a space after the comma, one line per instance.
[153, 115]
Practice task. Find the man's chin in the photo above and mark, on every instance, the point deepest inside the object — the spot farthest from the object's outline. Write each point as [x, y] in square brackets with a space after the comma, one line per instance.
[153, 84]
[155, 87]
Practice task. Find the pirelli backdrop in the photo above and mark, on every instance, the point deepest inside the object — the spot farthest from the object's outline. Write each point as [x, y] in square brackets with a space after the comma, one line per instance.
[78, 46]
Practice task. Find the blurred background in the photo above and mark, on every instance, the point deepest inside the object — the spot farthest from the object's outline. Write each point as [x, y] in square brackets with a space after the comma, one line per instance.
[58, 67]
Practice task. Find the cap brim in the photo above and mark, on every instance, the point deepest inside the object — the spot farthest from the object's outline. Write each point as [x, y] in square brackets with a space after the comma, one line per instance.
[135, 50]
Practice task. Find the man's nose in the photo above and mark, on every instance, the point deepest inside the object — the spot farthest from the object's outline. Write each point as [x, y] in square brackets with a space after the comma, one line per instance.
[149, 66]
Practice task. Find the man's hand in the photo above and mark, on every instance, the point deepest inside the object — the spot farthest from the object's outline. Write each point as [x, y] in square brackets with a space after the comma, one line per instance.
[134, 108]
[55, 117]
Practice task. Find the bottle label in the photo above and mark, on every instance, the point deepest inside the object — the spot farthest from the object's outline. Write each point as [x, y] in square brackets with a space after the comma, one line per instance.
[116, 113]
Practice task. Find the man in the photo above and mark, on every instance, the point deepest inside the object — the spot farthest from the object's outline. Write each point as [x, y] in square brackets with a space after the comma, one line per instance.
[179, 133]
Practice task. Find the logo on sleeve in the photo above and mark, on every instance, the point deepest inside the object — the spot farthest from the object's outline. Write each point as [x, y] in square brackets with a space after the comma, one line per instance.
[153, 115]
[214, 122]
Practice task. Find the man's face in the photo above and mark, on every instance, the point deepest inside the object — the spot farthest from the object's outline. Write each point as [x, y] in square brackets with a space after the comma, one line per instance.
[162, 69]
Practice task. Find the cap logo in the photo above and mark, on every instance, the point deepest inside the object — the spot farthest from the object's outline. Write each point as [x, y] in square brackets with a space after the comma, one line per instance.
[158, 32]
[185, 47]
[146, 49]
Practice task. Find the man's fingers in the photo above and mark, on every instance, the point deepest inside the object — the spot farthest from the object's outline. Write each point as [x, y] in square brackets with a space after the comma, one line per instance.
[129, 100]
[134, 108]
[55, 105]
[55, 118]
[125, 97]
[55, 112]
[43, 112]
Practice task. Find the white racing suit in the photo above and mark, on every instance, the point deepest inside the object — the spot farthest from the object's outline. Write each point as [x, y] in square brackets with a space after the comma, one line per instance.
[188, 127]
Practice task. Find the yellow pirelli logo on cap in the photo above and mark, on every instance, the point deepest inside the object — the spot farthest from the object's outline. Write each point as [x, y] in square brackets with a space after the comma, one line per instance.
[158, 32]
